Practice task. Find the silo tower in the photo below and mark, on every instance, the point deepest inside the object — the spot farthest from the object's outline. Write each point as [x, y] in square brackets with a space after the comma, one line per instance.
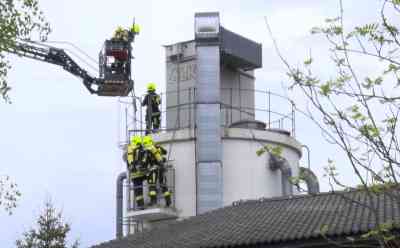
[214, 122]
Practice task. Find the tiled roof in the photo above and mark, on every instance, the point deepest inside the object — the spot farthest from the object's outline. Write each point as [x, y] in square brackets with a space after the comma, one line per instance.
[267, 221]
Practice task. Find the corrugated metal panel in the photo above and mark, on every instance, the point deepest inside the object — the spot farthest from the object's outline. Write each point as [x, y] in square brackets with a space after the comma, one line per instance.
[208, 74]
[208, 133]
[209, 186]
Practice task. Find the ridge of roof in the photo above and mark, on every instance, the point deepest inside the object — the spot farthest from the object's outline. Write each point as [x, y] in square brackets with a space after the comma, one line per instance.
[302, 196]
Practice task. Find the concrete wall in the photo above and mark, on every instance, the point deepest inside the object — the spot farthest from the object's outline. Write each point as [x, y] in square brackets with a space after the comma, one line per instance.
[245, 175]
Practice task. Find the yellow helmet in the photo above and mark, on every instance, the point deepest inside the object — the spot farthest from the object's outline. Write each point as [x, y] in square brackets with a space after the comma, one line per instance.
[151, 86]
[135, 28]
[136, 140]
[147, 140]
[119, 29]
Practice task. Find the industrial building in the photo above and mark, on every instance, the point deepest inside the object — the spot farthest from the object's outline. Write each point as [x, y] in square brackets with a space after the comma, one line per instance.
[214, 122]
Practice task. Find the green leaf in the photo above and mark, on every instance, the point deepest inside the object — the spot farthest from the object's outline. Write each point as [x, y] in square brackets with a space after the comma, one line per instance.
[19, 19]
[358, 116]
[370, 83]
[336, 30]
[308, 61]
[325, 89]
[316, 30]
[329, 20]
[260, 151]
[277, 151]
[367, 29]
[391, 68]
[369, 131]
[324, 229]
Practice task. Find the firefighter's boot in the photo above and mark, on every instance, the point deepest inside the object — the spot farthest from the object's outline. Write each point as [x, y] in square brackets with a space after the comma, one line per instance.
[167, 197]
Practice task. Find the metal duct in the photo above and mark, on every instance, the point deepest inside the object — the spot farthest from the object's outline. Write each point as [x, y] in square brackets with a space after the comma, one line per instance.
[311, 180]
[208, 130]
[279, 163]
[119, 197]
[305, 174]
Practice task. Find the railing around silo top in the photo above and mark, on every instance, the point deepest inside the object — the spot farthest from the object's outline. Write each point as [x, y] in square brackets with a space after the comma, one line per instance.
[178, 111]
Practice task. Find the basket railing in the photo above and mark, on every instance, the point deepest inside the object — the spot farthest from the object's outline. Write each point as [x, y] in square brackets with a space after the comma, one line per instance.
[169, 175]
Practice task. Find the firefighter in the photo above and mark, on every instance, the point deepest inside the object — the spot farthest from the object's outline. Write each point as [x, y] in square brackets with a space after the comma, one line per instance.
[135, 29]
[162, 163]
[121, 34]
[156, 169]
[137, 168]
[153, 115]
[152, 169]
[126, 34]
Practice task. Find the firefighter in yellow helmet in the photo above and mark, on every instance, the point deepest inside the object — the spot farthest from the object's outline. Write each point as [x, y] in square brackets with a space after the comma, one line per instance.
[137, 168]
[153, 115]
[151, 175]
[162, 163]
[121, 34]
[135, 29]
[126, 34]
[156, 170]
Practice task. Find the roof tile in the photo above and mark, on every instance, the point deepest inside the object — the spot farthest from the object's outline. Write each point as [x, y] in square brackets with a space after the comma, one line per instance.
[272, 220]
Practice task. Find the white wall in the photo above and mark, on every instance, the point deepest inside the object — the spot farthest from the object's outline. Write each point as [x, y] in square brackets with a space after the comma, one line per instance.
[182, 152]
[245, 175]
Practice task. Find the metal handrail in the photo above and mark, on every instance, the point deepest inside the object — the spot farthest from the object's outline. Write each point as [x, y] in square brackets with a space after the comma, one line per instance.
[265, 109]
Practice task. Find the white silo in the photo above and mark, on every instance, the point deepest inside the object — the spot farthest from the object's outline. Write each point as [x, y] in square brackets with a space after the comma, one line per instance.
[211, 132]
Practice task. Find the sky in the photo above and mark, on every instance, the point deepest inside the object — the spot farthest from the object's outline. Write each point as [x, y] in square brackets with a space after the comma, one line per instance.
[58, 141]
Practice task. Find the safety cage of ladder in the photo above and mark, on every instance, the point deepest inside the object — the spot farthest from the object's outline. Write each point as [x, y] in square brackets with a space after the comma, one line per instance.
[169, 180]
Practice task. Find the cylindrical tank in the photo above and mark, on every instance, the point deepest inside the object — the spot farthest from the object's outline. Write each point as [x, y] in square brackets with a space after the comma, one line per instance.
[245, 175]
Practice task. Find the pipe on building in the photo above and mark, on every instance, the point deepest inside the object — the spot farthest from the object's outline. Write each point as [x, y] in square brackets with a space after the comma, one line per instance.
[279, 163]
[120, 196]
[311, 180]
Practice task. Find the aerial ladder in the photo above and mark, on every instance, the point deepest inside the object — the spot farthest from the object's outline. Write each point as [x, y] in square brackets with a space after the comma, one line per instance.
[114, 63]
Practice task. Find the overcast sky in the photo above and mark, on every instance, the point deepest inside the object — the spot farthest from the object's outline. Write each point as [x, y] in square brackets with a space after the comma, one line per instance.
[58, 140]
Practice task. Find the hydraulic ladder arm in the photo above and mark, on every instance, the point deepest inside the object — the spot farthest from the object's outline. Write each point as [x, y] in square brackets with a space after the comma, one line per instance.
[57, 56]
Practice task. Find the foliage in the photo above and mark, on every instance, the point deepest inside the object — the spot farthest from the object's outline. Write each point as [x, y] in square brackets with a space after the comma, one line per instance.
[19, 19]
[9, 194]
[357, 109]
[275, 150]
[383, 230]
[51, 231]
